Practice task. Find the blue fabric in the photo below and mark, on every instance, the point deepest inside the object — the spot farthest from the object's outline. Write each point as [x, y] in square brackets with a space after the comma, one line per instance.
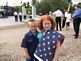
[77, 13]
[39, 35]
[30, 42]
[47, 45]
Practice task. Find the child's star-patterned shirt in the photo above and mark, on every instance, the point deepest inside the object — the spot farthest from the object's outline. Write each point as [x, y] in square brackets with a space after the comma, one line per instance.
[46, 47]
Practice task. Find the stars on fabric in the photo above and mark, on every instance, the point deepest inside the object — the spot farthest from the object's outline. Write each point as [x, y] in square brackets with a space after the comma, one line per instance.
[48, 33]
[43, 39]
[48, 37]
[43, 44]
[47, 45]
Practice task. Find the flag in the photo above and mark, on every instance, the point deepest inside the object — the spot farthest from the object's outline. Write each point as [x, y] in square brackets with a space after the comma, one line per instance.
[47, 45]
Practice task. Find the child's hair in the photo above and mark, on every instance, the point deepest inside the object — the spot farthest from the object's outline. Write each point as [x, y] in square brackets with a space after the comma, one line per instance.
[44, 18]
[31, 20]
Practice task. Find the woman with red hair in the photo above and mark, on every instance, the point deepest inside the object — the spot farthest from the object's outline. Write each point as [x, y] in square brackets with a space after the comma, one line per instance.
[49, 44]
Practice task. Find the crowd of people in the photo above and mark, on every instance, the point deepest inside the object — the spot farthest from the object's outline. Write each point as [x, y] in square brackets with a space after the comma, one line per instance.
[67, 17]
[16, 14]
[19, 16]
[43, 41]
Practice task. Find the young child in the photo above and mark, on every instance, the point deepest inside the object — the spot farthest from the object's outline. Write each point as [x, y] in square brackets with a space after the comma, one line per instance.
[68, 19]
[30, 41]
[48, 47]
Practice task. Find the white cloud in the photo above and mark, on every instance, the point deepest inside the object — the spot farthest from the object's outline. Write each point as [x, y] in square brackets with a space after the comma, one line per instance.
[76, 1]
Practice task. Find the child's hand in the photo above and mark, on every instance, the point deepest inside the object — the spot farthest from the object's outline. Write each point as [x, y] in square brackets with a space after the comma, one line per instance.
[26, 56]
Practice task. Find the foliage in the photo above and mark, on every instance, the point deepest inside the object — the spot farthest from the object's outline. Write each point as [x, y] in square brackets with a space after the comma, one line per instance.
[34, 2]
[71, 8]
[45, 6]
[27, 6]
[80, 5]
[29, 9]
[18, 8]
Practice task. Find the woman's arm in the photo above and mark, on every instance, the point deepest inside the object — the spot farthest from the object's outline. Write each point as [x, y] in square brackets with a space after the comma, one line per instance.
[56, 51]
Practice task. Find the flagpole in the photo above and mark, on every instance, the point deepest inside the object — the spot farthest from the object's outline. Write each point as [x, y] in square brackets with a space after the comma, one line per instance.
[69, 5]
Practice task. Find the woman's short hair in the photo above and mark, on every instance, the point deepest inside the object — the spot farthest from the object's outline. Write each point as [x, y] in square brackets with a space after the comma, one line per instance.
[77, 5]
[44, 18]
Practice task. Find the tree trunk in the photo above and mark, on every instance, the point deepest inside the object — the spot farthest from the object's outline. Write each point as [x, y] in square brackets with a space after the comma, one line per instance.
[23, 11]
[33, 11]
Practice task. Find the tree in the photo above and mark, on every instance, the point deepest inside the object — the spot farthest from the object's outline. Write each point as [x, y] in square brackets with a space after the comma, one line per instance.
[33, 8]
[51, 5]
[34, 2]
[27, 6]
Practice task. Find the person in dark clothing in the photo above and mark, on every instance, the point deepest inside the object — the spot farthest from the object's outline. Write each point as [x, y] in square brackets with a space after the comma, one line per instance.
[20, 16]
[30, 41]
[58, 14]
[30, 16]
[76, 20]
[24, 16]
[58, 21]
[64, 19]
[16, 16]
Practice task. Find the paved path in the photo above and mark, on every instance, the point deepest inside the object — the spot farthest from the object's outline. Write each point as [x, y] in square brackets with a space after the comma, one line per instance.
[9, 21]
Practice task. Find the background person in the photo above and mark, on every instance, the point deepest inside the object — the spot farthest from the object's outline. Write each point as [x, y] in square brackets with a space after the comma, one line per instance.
[58, 14]
[20, 16]
[16, 16]
[68, 19]
[76, 20]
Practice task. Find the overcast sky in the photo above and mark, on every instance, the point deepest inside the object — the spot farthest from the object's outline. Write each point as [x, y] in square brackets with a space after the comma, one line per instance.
[12, 2]
[76, 1]
[17, 2]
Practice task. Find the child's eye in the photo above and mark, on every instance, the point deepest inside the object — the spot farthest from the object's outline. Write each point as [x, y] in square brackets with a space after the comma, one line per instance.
[46, 23]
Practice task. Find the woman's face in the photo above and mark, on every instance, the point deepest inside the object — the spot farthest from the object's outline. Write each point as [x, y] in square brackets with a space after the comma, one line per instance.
[46, 25]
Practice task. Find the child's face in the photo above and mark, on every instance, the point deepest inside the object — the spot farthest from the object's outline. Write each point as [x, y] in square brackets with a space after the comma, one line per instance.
[46, 25]
[32, 26]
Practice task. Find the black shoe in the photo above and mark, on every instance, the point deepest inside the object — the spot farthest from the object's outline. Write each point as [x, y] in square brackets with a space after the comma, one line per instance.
[75, 37]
